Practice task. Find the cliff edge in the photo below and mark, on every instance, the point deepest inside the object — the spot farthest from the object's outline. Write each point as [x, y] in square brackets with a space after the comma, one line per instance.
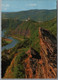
[48, 53]
[36, 65]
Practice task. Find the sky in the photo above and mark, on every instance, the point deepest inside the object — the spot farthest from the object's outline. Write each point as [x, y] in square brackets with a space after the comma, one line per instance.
[23, 5]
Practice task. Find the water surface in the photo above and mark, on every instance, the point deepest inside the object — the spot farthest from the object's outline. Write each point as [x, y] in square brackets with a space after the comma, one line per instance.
[12, 44]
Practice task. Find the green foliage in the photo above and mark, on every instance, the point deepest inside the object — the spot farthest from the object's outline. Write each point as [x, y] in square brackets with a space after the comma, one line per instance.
[51, 26]
[4, 42]
[5, 61]
[23, 44]
[36, 15]
[33, 41]
[9, 24]
[19, 71]
[31, 26]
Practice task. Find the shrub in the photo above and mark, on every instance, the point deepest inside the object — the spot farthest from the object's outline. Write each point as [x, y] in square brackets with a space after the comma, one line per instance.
[19, 71]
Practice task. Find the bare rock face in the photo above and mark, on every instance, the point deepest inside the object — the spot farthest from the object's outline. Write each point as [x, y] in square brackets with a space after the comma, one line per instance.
[48, 54]
[31, 63]
[43, 64]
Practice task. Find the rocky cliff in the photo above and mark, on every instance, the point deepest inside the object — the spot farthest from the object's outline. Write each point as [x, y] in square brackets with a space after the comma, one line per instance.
[31, 63]
[45, 64]
[48, 53]
[39, 65]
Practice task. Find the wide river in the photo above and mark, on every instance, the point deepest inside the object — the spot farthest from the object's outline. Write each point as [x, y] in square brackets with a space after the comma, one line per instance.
[12, 44]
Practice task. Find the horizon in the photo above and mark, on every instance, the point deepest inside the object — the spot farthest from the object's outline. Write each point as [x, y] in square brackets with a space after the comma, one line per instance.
[29, 10]
[25, 5]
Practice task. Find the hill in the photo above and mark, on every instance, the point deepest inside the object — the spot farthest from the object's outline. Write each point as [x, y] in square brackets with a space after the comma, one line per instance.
[31, 64]
[29, 28]
[36, 15]
[29, 32]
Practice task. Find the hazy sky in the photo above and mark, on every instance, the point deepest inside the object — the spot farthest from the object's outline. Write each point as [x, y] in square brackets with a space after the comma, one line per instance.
[20, 5]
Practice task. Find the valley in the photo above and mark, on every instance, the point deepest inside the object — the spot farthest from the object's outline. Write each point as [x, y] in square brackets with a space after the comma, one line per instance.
[33, 50]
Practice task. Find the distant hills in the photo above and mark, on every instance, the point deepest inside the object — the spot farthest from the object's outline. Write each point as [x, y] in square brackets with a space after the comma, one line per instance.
[36, 15]
[36, 50]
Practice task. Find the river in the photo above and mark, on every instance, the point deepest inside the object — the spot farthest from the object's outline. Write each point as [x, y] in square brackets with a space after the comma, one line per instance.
[12, 44]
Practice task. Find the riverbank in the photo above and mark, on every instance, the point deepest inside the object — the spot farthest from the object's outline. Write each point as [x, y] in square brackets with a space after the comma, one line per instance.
[18, 38]
[6, 41]
[10, 45]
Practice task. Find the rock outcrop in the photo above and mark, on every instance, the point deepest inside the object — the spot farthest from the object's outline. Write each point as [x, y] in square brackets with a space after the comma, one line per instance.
[48, 53]
[31, 63]
[43, 65]
[39, 65]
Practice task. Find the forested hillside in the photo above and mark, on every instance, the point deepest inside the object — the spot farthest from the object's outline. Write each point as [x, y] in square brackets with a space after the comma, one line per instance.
[34, 56]
[36, 15]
